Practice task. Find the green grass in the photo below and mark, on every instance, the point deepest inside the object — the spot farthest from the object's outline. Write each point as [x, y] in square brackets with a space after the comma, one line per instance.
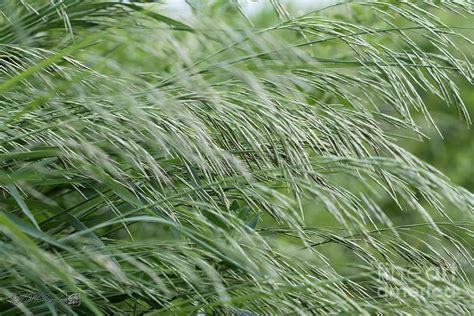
[214, 166]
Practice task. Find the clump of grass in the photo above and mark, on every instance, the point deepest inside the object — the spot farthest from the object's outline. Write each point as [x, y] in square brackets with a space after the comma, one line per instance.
[159, 166]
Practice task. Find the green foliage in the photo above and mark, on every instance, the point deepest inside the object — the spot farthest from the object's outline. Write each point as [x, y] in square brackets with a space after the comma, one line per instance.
[156, 166]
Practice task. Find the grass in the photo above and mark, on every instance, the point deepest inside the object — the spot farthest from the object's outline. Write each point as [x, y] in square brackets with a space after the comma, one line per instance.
[210, 166]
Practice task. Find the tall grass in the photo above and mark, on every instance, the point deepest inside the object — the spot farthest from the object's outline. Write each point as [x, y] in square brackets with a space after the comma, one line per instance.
[158, 166]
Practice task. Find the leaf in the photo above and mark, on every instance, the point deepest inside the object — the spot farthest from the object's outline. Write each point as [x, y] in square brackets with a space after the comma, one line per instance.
[176, 25]
[34, 232]
[253, 222]
[28, 155]
[21, 203]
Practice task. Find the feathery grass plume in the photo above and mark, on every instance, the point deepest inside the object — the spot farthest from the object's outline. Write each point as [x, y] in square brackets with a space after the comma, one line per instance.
[154, 166]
